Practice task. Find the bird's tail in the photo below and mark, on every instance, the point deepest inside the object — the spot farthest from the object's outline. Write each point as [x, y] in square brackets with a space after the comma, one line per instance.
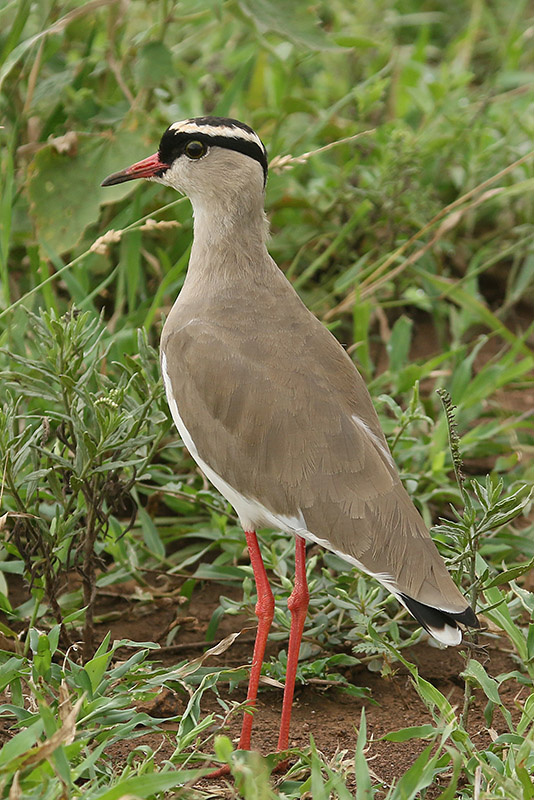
[442, 625]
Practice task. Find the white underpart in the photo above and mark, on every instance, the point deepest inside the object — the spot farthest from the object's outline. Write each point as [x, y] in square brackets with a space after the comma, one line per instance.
[252, 513]
[232, 131]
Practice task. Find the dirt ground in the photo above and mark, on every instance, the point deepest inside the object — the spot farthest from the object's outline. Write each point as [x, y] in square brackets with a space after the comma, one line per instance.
[331, 716]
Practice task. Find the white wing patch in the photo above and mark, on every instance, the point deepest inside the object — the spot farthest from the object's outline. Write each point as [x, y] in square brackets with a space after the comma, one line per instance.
[378, 443]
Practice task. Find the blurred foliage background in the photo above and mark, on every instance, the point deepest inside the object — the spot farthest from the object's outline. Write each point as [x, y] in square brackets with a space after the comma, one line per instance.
[400, 202]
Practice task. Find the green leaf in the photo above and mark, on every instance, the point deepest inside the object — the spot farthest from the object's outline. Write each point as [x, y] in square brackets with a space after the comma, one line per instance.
[499, 613]
[153, 65]
[150, 533]
[476, 308]
[144, 786]
[16, 28]
[419, 776]
[510, 574]
[42, 658]
[214, 623]
[362, 774]
[296, 22]
[217, 572]
[360, 42]
[415, 732]
[10, 670]
[527, 716]
[476, 671]
[96, 668]
[398, 346]
[433, 698]
[20, 744]
[57, 27]
[64, 188]
[223, 749]
[526, 783]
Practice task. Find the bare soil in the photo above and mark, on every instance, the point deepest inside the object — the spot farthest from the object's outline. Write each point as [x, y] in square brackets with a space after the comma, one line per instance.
[331, 716]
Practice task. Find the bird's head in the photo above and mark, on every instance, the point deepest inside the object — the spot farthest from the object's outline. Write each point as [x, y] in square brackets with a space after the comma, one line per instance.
[204, 158]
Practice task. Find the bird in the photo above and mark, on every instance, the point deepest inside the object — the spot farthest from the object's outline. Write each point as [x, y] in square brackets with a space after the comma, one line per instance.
[273, 409]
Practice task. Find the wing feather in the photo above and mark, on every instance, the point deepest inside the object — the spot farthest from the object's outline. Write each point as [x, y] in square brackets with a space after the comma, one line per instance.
[277, 424]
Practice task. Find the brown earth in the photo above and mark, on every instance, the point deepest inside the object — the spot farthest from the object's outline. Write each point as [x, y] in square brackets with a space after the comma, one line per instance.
[331, 716]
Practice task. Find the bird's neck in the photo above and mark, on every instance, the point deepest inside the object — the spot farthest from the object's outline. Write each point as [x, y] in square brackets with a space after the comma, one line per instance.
[228, 243]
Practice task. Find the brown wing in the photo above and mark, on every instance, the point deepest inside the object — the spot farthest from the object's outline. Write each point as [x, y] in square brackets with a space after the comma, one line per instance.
[276, 423]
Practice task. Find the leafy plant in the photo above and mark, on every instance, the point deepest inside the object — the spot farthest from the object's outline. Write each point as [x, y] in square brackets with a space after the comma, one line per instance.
[399, 197]
[72, 453]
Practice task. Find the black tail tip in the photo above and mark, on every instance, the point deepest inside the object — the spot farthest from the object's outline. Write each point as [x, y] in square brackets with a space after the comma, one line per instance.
[435, 620]
[467, 618]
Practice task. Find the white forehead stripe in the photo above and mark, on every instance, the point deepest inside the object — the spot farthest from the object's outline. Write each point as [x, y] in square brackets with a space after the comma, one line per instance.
[232, 131]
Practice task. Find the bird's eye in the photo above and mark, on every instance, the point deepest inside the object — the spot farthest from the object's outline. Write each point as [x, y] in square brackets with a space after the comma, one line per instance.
[195, 149]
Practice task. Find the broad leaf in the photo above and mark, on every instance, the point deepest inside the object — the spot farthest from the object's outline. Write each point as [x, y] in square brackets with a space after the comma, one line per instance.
[64, 187]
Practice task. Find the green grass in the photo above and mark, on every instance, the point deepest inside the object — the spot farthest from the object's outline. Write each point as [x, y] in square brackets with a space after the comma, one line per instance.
[414, 242]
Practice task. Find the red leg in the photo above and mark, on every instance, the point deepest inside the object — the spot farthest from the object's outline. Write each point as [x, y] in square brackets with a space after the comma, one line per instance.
[298, 605]
[265, 613]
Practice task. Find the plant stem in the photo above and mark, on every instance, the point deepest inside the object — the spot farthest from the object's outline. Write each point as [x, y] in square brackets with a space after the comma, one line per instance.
[88, 570]
[31, 624]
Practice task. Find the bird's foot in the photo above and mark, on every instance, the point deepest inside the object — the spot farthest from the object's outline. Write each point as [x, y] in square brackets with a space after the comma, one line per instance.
[218, 773]
[281, 766]
[224, 770]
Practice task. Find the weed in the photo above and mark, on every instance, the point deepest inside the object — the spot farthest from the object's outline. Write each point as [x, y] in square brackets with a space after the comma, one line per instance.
[414, 242]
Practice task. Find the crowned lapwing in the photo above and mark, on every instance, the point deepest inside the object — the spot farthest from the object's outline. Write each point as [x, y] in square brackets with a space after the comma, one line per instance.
[273, 409]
